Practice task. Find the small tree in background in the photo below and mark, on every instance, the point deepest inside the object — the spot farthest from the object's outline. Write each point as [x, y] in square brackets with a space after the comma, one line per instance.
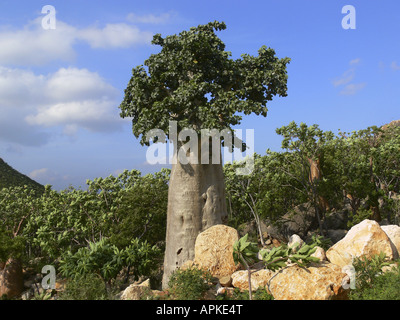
[304, 147]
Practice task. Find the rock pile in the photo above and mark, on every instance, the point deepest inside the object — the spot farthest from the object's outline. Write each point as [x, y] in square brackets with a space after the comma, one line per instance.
[326, 280]
[321, 281]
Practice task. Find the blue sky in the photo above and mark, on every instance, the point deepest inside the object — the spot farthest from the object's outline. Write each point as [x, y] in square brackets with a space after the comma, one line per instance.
[60, 89]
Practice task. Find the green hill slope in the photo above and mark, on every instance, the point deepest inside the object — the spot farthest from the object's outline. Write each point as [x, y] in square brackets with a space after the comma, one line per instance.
[9, 177]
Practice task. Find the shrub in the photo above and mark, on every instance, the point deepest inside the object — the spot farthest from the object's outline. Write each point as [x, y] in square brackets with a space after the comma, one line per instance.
[321, 241]
[84, 287]
[107, 260]
[11, 247]
[360, 216]
[368, 270]
[385, 287]
[189, 284]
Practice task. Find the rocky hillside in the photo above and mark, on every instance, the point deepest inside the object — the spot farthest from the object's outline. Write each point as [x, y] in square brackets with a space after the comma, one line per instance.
[9, 177]
[395, 123]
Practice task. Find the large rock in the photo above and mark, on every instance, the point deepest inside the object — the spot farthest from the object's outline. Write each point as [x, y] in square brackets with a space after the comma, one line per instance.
[394, 123]
[337, 219]
[260, 278]
[251, 228]
[300, 221]
[366, 238]
[136, 292]
[336, 235]
[214, 250]
[322, 282]
[393, 232]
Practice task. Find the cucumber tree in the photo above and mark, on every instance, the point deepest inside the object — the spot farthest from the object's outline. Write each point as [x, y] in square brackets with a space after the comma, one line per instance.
[195, 84]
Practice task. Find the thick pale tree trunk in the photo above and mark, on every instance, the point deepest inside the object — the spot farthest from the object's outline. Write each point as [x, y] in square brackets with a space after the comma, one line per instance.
[196, 201]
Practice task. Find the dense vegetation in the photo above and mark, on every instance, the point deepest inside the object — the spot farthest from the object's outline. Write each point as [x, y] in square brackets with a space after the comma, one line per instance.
[361, 168]
[117, 223]
[115, 230]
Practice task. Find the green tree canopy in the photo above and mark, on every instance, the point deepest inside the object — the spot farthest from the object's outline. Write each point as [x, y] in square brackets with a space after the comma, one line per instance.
[195, 82]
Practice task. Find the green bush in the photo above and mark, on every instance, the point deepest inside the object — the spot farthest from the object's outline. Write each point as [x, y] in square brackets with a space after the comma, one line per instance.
[385, 286]
[320, 241]
[107, 261]
[84, 287]
[11, 247]
[189, 284]
[360, 216]
[368, 271]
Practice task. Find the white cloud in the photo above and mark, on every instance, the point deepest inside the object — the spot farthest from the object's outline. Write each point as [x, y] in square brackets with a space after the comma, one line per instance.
[39, 173]
[46, 176]
[355, 61]
[94, 115]
[77, 98]
[71, 84]
[347, 77]
[344, 78]
[118, 35]
[20, 92]
[17, 86]
[352, 88]
[34, 45]
[70, 98]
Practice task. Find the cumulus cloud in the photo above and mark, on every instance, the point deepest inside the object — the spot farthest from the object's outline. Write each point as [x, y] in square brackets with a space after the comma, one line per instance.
[118, 35]
[72, 84]
[34, 45]
[18, 86]
[69, 98]
[94, 115]
[19, 93]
